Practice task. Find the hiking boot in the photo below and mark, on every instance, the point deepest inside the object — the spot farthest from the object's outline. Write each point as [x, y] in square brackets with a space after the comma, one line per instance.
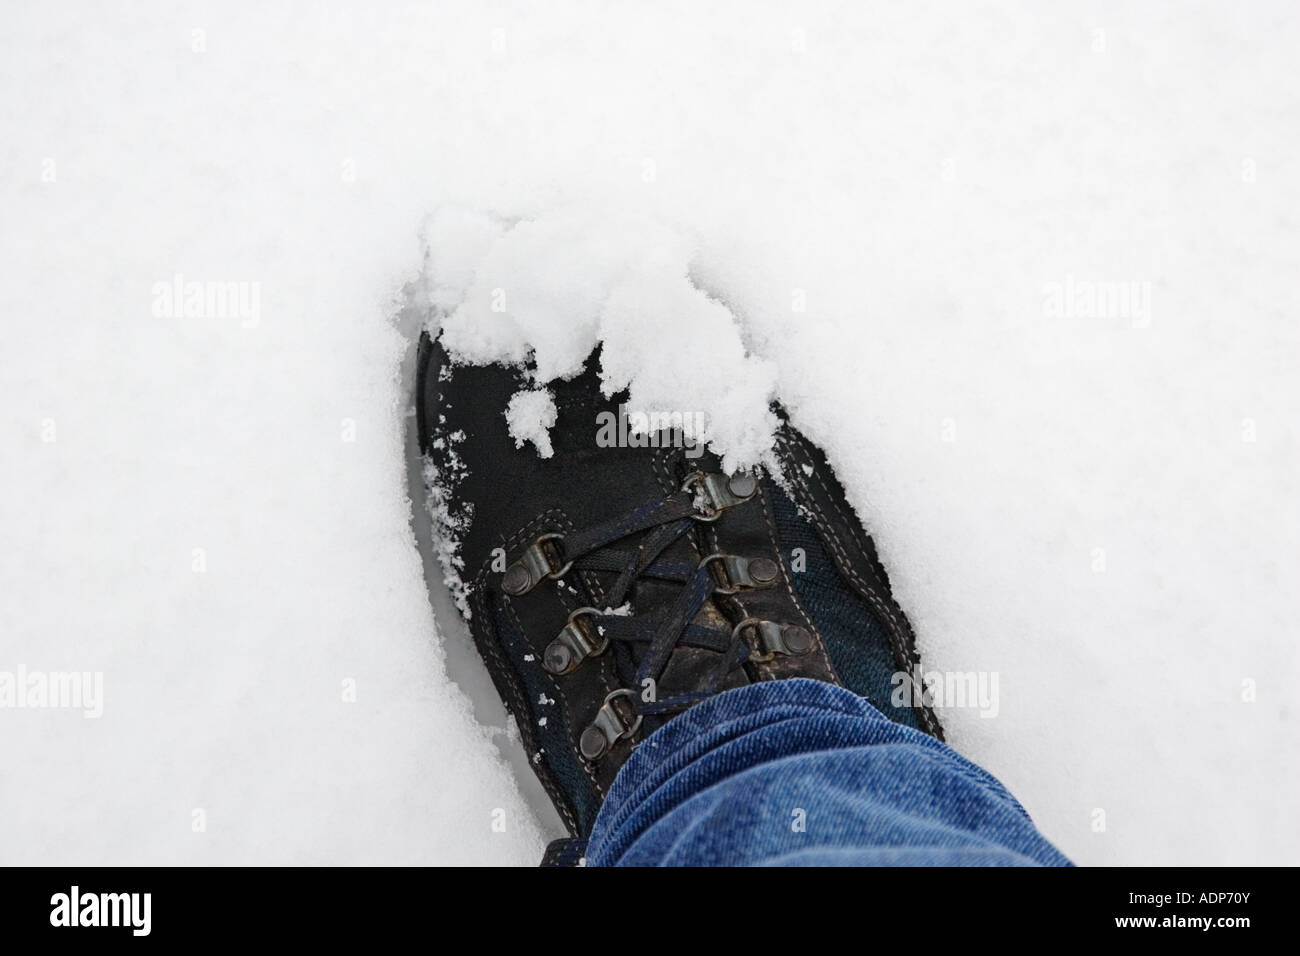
[614, 584]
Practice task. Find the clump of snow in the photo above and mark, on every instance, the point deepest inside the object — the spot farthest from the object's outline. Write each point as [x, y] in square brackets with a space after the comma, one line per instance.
[547, 291]
[530, 415]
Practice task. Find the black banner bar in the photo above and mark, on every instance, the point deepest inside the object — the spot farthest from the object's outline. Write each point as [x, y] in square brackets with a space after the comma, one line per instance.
[239, 905]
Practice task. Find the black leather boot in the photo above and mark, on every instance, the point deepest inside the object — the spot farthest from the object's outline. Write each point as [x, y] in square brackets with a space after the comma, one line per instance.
[614, 584]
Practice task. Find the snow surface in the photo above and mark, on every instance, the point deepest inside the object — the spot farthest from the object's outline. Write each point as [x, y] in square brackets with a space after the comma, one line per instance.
[906, 211]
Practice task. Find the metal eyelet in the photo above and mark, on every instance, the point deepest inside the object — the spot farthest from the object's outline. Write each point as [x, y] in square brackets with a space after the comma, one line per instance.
[574, 644]
[607, 727]
[715, 493]
[741, 572]
[535, 565]
[773, 639]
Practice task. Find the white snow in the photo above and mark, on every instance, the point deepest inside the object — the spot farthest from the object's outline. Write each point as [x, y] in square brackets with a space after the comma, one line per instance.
[547, 290]
[450, 516]
[1026, 272]
[529, 416]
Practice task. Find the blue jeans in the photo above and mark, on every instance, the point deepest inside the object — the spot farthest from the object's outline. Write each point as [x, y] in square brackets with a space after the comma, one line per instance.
[798, 772]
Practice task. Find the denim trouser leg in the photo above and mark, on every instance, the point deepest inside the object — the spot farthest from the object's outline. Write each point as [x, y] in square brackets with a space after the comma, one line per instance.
[802, 772]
